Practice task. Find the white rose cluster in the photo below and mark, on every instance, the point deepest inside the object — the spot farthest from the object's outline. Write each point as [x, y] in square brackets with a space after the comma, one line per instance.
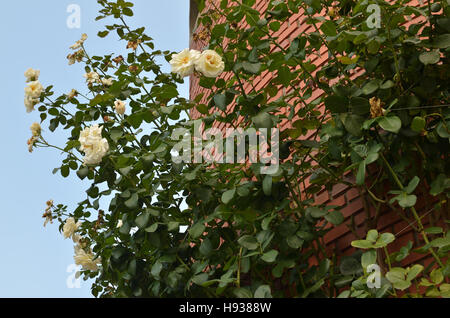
[120, 107]
[80, 42]
[86, 259]
[83, 254]
[70, 227]
[92, 77]
[209, 63]
[33, 90]
[35, 135]
[78, 55]
[93, 145]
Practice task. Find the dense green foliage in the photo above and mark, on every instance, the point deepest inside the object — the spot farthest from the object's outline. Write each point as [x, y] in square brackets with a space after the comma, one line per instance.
[386, 94]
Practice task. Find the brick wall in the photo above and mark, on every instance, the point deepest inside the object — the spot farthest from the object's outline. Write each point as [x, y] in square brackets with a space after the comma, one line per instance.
[356, 207]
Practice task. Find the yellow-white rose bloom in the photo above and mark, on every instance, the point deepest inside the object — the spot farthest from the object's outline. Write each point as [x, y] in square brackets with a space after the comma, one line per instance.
[34, 89]
[210, 64]
[72, 94]
[183, 63]
[107, 81]
[32, 75]
[93, 145]
[30, 103]
[35, 129]
[70, 227]
[86, 260]
[91, 77]
[79, 42]
[120, 107]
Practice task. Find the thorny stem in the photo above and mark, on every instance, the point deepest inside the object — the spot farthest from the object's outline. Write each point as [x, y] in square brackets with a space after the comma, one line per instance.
[413, 210]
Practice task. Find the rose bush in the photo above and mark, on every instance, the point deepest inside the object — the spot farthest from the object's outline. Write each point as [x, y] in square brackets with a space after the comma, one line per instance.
[250, 234]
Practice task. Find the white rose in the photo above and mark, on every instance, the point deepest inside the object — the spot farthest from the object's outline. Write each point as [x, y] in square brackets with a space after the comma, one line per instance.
[76, 238]
[93, 145]
[91, 77]
[183, 62]
[30, 103]
[32, 75]
[86, 260]
[107, 81]
[80, 42]
[119, 224]
[120, 107]
[210, 64]
[34, 89]
[72, 94]
[70, 227]
[35, 129]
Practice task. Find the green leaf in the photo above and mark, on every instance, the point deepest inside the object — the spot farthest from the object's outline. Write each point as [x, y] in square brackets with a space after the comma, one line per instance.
[402, 285]
[252, 68]
[197, 230]
[372, 236]
[263, 120]
[220, 101]
[335, 217]
[371, 87]
[206, 247]
[418, 124]
[431, 57]
[336, 104]
[344, 294]
[385, 239]
[433, 230]
[396, 274]
[407, 201]
[263, 291]
[103, 34]
[294, 242]
[242, 293]
[352, 123]
[316, 212]
[412, 185]
[249, 242]
[328, 28]
[361, 174]
[200, 279]
[270, 256]
[152, 228]
[83, 172]
[132, 202]
[391, 123]
[142, 220]
[350, 266]
[228, 196]
[414, 271]
[65, 171]
[362, 244]
[368, 258]
[388, 84]
[275, 26]
[439, 184]
[442, 41]
[360, 105]
[267, 185]
[441, 242]
[436, 276]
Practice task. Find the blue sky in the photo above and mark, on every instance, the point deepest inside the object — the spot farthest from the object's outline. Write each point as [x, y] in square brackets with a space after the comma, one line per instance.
[34, 259]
